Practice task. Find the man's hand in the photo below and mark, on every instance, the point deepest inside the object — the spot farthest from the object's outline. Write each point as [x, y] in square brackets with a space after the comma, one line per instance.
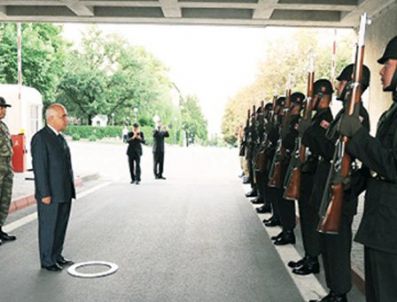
[350, 124]
[303, 125]
[46, 200]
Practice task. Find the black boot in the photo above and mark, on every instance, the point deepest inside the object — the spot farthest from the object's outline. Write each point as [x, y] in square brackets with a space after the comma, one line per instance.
[5, 237]
[332, 297]
[252, 193]
[310, 266]
[277, 236]
[288, 237]
[264, 209]
[257, 200]
[294, 264]
[272, 222]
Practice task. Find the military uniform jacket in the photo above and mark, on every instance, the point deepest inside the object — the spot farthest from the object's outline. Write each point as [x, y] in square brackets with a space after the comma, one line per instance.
[52, 167]
[378, 226]
[5, 141]
[314, 138]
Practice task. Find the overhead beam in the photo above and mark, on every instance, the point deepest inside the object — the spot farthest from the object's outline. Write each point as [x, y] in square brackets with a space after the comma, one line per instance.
[264, 9]
[171, 8]
[78, 8]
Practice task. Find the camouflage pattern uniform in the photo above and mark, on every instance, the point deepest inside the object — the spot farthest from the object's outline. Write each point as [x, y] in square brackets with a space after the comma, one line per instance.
[6, 173]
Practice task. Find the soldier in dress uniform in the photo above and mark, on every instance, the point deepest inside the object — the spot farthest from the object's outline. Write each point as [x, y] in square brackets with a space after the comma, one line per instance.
[273, 132]
[336, 248]
[378, 226]
[289, 136]
[6, 173]
[313, 137]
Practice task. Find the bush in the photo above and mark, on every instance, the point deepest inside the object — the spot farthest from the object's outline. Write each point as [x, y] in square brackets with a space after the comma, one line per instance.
[75, 136]
[92, 138]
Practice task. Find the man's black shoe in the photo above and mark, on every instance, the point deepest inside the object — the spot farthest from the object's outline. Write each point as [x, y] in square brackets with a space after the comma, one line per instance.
[64, 262]
[246, 180]
[162, 177]
[332, 297]
[257, 200]
[252, 193]
[277, 236]
[264, 209]
[288, 237]
[309, 267]
[272, 222]
[52, 268]
[132, 181]
[294, 264]
[5, 237]
[137, 182]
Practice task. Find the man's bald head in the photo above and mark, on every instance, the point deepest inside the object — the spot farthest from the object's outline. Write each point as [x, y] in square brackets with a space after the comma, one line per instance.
[57, 117]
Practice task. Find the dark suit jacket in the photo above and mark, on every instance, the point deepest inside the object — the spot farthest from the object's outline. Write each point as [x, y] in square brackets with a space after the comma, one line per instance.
[135, 145]
[158, 140]
[52, 167]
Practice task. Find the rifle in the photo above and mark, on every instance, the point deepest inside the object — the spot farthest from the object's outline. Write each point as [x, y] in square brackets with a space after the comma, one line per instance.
[261, 157]
[332, 201]
[275, 174]
[293, 178]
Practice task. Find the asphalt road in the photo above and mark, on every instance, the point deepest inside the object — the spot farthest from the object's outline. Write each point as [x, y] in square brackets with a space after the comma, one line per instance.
[192, 237]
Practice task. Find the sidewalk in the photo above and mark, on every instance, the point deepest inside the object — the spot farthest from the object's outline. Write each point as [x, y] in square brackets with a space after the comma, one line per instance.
[23, 189]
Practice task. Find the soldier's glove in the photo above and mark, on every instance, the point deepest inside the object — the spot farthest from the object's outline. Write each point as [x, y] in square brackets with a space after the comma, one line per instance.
[350, 124]
[303, 125]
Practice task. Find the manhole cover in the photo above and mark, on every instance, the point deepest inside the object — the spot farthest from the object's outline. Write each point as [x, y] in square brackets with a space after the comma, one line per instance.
[111, 269]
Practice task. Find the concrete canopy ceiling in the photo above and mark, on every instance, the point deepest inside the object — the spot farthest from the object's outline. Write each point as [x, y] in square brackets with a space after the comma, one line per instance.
[312, 13]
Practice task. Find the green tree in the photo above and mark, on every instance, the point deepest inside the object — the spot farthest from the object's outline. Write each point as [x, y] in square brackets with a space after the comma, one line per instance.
[286, 55]
[108, 76]
[43, 52]
[194, 123]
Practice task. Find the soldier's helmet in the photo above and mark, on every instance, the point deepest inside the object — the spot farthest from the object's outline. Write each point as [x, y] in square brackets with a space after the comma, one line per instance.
[390, 51]
[297, 98]
[347, 75]
[322, 86]
[280, 101]
[268, 106]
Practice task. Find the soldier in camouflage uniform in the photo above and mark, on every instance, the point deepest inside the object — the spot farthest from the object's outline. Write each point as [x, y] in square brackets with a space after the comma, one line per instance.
[6, 173]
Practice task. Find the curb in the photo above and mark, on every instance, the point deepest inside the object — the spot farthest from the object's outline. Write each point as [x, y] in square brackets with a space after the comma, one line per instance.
[28, 200]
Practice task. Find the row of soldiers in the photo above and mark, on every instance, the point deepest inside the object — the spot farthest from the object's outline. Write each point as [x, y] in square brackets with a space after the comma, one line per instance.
[273, 141]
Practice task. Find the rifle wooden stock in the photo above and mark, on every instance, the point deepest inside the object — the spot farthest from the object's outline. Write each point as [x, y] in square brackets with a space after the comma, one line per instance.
[261, 161]
[275, 176]
[275, 179]
[292, 190]
[330, 220]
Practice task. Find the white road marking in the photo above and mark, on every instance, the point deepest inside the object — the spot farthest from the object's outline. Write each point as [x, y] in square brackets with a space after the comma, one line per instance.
[308, 286]
[32, 217]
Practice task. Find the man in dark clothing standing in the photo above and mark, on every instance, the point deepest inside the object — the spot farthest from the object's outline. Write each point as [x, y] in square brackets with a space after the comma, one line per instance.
[135, 139]
[159, 133]
[378, 226]
[54, 187]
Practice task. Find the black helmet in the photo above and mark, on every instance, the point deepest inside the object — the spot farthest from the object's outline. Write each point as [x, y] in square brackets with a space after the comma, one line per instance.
[280, 101]
[268, 106]
[322, 86]
[347, 75]
[390, 51]
[297, 98]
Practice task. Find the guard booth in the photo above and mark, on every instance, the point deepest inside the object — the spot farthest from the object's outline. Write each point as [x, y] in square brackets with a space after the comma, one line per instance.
[24, 119]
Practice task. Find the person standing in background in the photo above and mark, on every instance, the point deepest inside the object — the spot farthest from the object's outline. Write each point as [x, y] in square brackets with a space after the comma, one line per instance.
[135, 139]
[159, 133]
[6, 173]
